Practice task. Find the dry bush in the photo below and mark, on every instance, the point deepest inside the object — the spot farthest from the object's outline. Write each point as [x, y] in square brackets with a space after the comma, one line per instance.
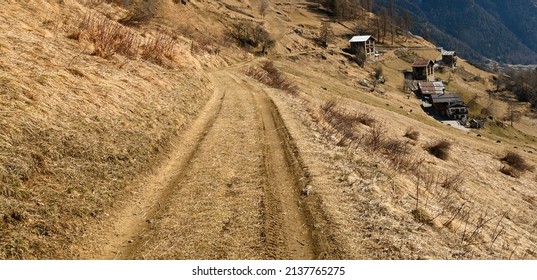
[398, 152]
[269, 75]
[517, 165]
[453, 181]
[205, 44]
[340, 123]
[344, 127]
[440, 149]
[422, 216]
[251, 36]
[343, 124]
[508, 170]
[108, 36]
[412, 134]
[376, 138]
[158, 48]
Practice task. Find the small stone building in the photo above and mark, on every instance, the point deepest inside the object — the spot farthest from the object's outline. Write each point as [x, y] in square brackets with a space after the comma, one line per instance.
[364, 42]
[449, 58]
[423, 70]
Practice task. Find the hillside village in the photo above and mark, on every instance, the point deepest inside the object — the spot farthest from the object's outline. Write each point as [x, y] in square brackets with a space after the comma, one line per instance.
[252, 130]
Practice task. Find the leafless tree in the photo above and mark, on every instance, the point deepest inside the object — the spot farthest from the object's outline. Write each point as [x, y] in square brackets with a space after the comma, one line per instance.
[263, 8]
[326, 34]
[407, 22]
[384, 23]
[393, 19]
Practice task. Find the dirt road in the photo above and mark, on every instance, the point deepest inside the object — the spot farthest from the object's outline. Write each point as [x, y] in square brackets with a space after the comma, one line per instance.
[229, 190]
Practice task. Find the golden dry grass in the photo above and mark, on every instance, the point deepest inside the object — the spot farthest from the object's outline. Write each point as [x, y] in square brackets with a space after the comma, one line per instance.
[75, 129]
[465, 208]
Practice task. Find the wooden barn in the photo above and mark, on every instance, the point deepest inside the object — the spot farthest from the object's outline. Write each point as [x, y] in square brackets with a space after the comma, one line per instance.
[450, 105]
[449, 58]
[365, 43]
[423, 70]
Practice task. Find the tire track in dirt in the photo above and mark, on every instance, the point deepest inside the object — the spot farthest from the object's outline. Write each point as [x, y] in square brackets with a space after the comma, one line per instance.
[287, 229]
[119, 239]
[288, 223]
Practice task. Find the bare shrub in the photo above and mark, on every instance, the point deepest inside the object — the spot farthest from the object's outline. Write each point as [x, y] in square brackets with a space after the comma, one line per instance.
[158, 48]
[108, 36]
[376, 138]
[202, 40]
[440, 149]
[378, 76]
[517, 165]
[508, 170]
[365, 119]
[111, 38]
[263, 8]
[341, 124]
[412, 134]
[360, 57]
[270, 75]
[453, 181]
[326, 34]
[398, 152]
[251, 36]
[422, 216]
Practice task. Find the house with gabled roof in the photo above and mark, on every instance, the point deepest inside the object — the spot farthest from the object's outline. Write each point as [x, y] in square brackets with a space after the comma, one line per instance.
[423, 70]
[449, 58]
[450, 105]
[365, 43]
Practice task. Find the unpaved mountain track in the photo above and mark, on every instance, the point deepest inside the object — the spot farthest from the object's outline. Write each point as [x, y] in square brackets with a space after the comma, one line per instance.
[285, 222]
[230, 192]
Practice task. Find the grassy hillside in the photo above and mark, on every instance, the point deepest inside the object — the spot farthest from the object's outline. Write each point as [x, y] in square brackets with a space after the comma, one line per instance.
[87, 114]
[76, 127]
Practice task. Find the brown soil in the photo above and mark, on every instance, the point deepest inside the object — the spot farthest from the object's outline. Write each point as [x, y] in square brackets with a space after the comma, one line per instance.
[228, 190]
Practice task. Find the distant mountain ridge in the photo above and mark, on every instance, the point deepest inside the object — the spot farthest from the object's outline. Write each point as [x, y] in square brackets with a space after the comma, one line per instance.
[504, 31]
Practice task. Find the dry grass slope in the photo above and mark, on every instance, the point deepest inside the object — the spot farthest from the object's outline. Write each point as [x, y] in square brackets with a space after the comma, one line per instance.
[81, 119]
[75, 129]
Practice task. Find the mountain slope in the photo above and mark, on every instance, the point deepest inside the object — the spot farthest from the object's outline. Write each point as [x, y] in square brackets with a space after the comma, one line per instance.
[498, 30]
[201, 154]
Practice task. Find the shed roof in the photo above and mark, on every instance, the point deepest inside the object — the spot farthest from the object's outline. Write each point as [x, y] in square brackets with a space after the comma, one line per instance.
[449, 53]
[420, 62]
[361, 38]
[430, 88]
[446, 98]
